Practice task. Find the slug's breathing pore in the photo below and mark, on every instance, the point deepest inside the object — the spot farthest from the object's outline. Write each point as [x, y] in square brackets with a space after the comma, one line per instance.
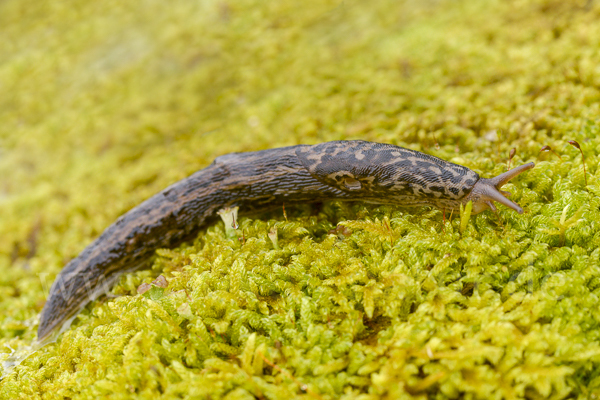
[342, 170]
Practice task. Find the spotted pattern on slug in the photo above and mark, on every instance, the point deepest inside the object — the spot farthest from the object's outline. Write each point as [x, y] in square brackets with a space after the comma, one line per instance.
[388, 171]
[342, 170]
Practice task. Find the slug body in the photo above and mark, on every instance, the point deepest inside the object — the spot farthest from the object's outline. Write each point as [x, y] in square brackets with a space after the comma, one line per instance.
[344, 170]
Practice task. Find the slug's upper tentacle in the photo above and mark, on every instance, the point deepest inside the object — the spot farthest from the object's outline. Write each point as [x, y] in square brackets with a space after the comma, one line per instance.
[488, 190]
[502, 179]
[344, 170]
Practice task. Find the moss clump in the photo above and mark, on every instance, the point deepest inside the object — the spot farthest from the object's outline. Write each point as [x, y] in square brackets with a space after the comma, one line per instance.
[338, 300]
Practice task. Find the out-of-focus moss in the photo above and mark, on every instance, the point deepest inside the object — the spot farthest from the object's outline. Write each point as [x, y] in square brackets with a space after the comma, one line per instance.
[105, 103]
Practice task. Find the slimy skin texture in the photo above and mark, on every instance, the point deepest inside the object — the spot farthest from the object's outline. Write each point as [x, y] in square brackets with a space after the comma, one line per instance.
[254, 181]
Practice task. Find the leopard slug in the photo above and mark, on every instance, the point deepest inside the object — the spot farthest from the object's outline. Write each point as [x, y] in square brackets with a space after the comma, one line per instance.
[343, 170]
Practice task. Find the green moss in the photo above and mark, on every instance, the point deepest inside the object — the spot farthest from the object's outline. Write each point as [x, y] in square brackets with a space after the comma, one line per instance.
[106, 103]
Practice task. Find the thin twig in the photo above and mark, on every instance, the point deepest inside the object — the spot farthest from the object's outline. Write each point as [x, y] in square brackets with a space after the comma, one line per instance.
[548, 148]
[511, 154]
[575, 144]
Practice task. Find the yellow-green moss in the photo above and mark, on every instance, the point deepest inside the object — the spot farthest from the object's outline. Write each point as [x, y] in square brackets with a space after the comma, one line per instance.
[105, 103]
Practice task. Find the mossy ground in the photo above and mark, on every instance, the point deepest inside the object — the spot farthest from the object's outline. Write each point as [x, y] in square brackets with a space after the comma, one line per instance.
[105, 103]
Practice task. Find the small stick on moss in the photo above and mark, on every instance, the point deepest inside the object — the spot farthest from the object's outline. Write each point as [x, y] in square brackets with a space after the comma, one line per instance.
[576, 145]
[500, 222]
[444, 220]
[284, 213]
[511, 154]
[212, 333]
[303, 386]
[389, 231]
[548, 148]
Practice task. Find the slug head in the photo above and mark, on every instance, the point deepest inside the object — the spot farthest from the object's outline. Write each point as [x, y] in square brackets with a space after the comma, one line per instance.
[486, 191]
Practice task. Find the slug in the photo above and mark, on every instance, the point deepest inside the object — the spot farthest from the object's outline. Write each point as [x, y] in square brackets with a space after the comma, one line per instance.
[343, 170]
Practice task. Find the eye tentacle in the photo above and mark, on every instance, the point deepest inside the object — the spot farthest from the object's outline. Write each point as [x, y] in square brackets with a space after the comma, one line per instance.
[487, 190]
[502, 179]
